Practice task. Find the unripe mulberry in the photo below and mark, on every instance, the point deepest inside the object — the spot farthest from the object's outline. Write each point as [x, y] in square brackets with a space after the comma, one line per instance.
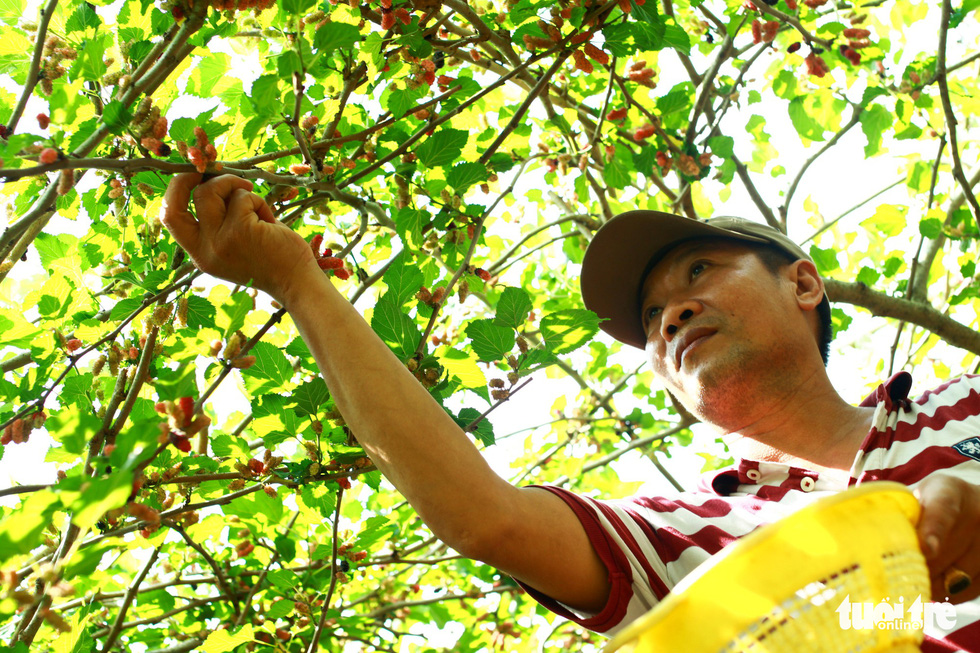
[73, 344]
[48, 155]
[299, 169]
[756, 31]
[243, 362]
[856, 33]
[43, 121]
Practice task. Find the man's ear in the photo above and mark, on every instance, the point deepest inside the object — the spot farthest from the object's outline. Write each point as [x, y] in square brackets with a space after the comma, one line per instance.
[809, 285]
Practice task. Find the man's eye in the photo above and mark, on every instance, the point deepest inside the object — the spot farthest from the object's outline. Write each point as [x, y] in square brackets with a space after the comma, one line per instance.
[697, 269]
[651, 313]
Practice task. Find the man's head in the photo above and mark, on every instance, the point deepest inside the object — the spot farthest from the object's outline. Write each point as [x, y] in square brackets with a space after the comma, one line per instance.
[646, 260]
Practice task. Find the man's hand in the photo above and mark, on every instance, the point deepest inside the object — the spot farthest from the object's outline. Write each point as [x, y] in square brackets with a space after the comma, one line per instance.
[235, 236]
[949, 532]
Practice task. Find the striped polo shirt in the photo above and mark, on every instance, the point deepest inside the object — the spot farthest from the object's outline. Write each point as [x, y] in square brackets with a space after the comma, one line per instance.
[648, 544]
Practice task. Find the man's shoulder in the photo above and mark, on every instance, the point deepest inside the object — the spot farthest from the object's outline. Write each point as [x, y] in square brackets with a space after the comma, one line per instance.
[896, 391]
[965, 388]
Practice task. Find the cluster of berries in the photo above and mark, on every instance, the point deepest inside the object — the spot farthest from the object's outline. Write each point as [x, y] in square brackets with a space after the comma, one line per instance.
[181, 423]
[230, 351]
[150, 127]
[815, 65]
[423, 72]
[19, 430]
[639, 72]
[54, 53]
[179, 8]
[389, 16]
[202, 154]
[764, 32]
[327, 261]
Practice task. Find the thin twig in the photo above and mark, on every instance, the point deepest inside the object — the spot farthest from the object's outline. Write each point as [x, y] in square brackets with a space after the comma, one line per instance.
[127, 601]
[941, 75]
[315, 642]
[33, 71]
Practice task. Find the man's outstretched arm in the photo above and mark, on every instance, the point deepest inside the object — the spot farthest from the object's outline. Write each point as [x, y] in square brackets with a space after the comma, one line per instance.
[528, 533]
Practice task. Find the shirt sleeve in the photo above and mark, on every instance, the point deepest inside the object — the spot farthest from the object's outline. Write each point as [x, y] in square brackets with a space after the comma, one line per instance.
[635, 584]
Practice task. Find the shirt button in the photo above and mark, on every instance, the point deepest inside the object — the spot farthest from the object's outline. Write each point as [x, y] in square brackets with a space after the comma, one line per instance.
[753, 475]
[807, 484]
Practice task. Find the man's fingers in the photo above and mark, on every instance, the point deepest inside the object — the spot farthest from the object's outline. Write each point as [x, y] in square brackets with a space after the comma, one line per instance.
[174, 213]
[941, 501]
[264, 211]
[242, 204]
[211, 199]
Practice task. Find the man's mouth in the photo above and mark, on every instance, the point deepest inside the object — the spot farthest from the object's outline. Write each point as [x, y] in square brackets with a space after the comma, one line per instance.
[688, 340]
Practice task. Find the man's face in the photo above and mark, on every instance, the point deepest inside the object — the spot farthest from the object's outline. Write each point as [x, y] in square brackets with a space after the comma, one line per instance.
[718, 324]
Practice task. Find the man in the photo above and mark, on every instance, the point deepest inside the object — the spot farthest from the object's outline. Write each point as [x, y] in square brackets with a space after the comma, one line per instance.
[734, 339]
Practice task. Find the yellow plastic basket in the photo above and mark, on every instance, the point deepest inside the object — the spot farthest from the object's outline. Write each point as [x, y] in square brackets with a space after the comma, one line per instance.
[778, 589]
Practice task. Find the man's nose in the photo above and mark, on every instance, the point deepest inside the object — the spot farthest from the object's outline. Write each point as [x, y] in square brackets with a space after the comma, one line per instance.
[675, 317]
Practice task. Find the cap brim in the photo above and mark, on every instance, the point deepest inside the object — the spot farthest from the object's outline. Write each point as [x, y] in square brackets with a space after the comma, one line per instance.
[618, 256]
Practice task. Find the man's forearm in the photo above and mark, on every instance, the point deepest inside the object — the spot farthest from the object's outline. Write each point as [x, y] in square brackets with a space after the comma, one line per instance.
[408, 436]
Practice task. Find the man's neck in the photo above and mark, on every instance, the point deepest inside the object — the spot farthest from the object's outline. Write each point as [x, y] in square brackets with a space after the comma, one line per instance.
[810, 426]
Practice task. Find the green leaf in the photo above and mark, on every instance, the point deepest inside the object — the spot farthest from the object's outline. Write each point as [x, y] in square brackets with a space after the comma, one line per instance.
[401, 101]
[200, 313]
[931, 228]
[566, 331]
[83, 18]
[463, 175]
[310, 396]
[826, 259]
[124, 307]
[483, 430]
[677, 38]
[280, 608]
[805, 125]
[90, 64]
[11, 11]
[874, 121]
[208, 74]
[395, 328]
[489, 341]
[116, 116]
[283, 578]
[222, 641]
[23, 526]
[513, 308]
[336, 36]
[442, 148]
[270, 364]
[235, 310]
[403, 280]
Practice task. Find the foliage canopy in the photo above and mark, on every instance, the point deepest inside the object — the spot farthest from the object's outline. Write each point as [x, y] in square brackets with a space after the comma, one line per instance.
[455, 158]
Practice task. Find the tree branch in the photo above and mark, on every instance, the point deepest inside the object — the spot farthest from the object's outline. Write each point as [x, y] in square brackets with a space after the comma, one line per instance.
[941, 75]
[34, 69]
[923, 315]
[127, 601]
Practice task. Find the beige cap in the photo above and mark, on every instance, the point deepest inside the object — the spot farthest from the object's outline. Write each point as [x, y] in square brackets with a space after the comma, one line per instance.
[624, 249]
